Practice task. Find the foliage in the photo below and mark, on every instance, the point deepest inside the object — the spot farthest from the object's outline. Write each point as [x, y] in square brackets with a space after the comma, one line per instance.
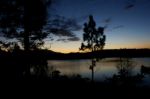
[27, 23]
[23, 20]
[125, 66]
[94, 39]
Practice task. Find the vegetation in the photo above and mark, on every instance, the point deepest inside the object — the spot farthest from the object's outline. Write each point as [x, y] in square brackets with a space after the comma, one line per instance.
[94, 39]
[24, 25]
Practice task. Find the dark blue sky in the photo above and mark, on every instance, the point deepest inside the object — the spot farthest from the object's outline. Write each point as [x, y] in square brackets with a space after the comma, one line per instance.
[128, 21]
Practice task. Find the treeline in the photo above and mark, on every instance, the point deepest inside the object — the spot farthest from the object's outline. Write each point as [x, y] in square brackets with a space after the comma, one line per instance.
[109, 53]
[99, 54]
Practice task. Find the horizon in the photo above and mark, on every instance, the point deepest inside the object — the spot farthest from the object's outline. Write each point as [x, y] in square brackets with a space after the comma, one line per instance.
[103, 49]
[98, 45]
[127, 23]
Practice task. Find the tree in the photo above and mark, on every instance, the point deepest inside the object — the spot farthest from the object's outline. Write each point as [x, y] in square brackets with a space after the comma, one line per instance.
[125, 67]
[26, 23]
[23, 20]
[93, 40]
[22, 25]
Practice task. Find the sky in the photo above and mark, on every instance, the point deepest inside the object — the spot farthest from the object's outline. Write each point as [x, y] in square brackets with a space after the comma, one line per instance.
[127, 21]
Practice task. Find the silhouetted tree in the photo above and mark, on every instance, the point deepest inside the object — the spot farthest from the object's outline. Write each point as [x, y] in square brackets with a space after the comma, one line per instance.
[125, 67]
[125, 76]
[27, 23]
[93, 40]
[145, 70]
[23, 20]
[22, 25]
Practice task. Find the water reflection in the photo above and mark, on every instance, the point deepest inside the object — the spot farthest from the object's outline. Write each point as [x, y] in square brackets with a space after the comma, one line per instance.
[106, 68]
[125, 67]
[125, 77]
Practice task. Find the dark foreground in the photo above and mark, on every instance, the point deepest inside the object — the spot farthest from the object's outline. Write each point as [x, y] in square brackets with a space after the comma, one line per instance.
[21, 84]
[77, 89]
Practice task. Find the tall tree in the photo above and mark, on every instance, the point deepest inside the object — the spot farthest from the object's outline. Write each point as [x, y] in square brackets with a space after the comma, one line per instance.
[24, 21]
[93, 40]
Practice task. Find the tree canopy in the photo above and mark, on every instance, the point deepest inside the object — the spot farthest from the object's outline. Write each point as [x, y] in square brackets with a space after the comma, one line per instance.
[93, 38]
[23, 20]
[26, 23]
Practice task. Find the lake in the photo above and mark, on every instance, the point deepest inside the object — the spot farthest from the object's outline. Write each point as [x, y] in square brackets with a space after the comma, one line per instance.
[105, 68]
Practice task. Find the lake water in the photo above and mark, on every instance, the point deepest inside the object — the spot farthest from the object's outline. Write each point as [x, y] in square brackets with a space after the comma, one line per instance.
[105, 68]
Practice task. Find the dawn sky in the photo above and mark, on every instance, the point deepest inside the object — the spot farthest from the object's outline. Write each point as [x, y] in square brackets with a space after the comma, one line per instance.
[127, 22]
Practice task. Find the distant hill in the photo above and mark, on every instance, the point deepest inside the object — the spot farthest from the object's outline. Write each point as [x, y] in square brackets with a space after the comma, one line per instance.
[99, 54]
[102, 54]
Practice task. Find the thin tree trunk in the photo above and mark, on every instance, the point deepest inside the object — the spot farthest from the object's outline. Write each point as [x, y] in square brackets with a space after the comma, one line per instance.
[26, 41]
[26, 56]
[92, 74]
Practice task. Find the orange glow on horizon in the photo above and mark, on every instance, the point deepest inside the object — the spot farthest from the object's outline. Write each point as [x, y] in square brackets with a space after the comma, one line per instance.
[128, 46]
[113, 47]
[74, 46]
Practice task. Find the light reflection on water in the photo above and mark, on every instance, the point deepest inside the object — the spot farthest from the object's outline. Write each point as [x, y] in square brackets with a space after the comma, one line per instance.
[105, 68]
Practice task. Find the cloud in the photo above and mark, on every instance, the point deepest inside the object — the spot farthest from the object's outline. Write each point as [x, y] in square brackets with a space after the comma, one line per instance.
[130, 4]
[69, 39]
[69, 36]
[62, 40]
[107, 20]
[127, 7]
[60, 22]
[73, 39]
[118, 27]
[61, 32]
[63, 27]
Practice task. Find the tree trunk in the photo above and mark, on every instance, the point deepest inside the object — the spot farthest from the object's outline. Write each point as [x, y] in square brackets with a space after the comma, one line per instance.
[26, 56]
